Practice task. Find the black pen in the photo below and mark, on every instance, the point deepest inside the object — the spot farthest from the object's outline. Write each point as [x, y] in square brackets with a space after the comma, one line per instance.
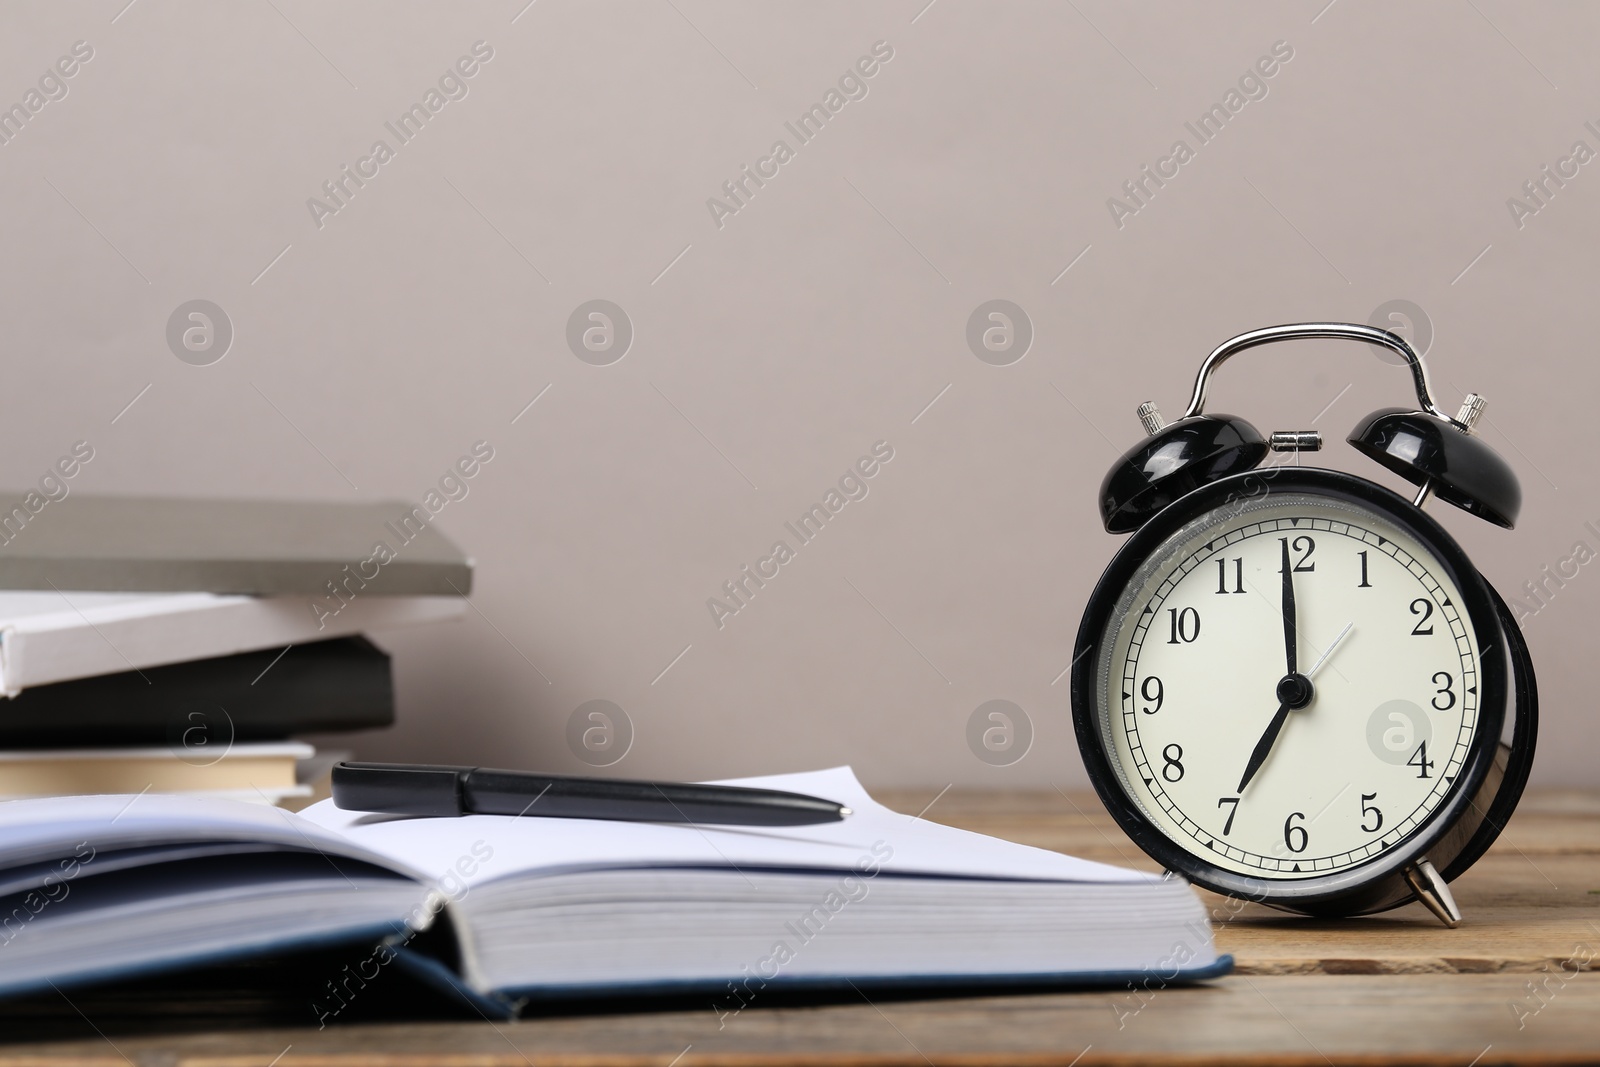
[421, 789]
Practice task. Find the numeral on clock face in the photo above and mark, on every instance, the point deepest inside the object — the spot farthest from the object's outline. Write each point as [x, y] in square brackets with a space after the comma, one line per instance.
[1238, 576]
[1378, 698]
[1185, 625]
[1305, 546]
[1419, 759]
[1444, 693]
[1370, 811]
[1153, 692]
[1295, 838]
[1233, 809]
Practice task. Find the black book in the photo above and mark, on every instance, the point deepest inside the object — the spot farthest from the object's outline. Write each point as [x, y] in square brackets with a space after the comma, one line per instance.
[323, 686]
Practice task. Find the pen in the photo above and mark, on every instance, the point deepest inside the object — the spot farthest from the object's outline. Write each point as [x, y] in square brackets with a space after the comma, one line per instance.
[421, 789]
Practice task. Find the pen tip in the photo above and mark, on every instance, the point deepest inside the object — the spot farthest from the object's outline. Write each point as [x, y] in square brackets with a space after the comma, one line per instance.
[843, 811]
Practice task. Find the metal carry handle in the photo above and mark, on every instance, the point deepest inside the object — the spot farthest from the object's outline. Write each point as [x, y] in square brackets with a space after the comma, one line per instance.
[1348, 331]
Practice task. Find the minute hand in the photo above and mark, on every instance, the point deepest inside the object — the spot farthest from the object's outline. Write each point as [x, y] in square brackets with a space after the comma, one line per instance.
[1288, 610]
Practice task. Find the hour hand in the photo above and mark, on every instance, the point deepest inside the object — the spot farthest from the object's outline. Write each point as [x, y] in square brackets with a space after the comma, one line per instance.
[1264, 746]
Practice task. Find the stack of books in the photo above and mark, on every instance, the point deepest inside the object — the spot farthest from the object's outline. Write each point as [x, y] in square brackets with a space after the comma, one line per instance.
[178, 646]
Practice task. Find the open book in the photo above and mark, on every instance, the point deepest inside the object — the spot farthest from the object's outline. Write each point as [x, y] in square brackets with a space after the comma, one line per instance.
[103, 887]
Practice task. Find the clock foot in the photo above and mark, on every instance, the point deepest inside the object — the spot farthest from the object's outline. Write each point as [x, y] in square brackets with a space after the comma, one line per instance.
[1433, 892]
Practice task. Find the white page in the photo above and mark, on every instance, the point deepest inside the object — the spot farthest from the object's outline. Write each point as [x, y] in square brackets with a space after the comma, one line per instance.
[479, 848]
[55, 827]
[48, 637]
[33, 607]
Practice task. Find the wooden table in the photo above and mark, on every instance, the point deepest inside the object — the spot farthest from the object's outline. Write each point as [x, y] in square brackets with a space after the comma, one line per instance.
[1398, 988]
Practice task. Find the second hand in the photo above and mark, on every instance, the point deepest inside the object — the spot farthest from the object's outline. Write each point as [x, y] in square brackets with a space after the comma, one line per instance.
[1329, 651]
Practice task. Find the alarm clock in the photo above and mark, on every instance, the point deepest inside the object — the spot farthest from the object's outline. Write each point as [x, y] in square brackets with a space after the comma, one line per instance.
[1291, 685]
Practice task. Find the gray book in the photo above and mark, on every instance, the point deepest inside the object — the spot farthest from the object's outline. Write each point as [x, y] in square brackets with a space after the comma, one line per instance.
[263, 547]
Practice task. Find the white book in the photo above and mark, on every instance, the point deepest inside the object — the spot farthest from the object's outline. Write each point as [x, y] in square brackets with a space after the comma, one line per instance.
[52, 636]
[547, 908]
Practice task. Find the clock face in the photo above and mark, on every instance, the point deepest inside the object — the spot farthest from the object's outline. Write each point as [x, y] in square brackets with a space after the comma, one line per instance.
[1288, 687]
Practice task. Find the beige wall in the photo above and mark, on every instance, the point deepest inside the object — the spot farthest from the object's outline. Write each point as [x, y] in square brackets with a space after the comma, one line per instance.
[774, 350]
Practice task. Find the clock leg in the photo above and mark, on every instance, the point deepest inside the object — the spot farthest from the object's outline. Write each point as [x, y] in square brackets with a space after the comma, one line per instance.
[1434, 892]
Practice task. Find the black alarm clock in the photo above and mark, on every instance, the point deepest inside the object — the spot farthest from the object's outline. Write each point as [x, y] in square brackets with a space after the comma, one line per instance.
[1291, 685]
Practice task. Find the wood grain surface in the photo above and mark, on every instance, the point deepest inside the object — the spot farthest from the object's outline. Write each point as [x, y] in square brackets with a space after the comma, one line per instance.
[1511, 985]
[1527, 905]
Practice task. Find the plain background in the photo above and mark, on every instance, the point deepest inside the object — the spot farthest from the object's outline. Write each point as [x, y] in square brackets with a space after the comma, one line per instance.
[773, 351]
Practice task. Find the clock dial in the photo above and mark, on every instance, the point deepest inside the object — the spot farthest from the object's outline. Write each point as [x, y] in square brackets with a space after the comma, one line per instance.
[1290, 687]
